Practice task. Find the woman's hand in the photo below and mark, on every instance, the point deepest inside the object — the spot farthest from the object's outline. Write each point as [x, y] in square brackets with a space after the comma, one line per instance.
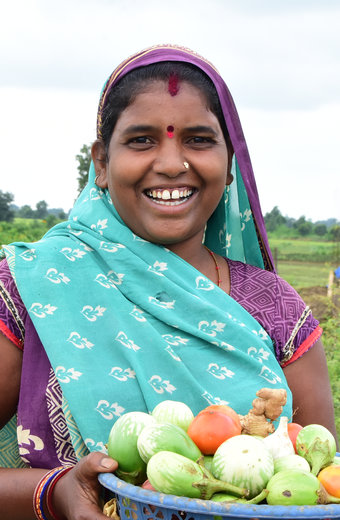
[76, 494]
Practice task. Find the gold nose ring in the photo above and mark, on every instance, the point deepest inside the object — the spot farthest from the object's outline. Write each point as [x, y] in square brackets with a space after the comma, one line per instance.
[186, 165]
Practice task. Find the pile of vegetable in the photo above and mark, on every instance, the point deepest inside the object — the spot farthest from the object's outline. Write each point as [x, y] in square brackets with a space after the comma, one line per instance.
[221, 456]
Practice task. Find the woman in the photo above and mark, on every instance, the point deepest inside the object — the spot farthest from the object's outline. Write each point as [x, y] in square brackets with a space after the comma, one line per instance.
[132, 301]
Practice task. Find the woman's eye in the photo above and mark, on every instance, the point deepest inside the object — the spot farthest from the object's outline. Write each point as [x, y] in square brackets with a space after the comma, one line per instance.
[141, 140]
[201, 140]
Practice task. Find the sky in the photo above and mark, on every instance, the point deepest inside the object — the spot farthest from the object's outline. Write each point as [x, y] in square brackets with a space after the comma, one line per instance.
[279, 58]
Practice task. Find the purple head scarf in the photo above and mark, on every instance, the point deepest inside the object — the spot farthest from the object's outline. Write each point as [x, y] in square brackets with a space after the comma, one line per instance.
[181, 54]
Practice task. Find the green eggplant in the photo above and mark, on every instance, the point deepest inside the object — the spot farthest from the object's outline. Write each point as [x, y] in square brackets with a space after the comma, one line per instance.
[227, 497]
[122, 446]
[206, 461]
[231, 499]
[175, 474]
[317, 445]
[166, 437]
[297, 488]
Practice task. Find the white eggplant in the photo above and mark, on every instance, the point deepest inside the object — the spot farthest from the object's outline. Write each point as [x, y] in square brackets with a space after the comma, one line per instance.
[174, 412]
[291, 462]
[244, 461]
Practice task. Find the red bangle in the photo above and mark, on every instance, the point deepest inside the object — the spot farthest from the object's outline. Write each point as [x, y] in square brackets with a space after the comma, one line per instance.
[50, 488]
[44, 487]
[39, 493]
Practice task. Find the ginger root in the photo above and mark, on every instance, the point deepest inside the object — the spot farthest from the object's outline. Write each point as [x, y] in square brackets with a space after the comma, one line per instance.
[267, 407]
[271, 401]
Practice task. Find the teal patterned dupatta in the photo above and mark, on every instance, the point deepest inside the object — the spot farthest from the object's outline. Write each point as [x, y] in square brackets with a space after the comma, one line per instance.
[126, 323]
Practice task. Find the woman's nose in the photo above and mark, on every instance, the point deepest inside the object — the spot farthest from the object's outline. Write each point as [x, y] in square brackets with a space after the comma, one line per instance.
[170, 160]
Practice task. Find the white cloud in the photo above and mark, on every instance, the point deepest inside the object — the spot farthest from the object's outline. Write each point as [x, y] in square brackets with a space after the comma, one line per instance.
[44, 131]
[294, 156]
[280, 60]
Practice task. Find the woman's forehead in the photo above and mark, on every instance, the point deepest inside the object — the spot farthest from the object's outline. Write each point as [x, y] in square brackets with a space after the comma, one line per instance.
[155, 100]
[172, 85]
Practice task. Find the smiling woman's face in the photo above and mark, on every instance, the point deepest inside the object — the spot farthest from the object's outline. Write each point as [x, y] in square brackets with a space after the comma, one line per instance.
[155, 193]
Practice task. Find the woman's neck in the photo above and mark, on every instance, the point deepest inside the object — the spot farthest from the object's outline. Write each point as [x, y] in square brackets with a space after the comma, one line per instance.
[213, 266]
[191, 250]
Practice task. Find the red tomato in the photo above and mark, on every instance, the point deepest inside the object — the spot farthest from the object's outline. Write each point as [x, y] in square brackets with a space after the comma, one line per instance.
[223, 408]
[330, 479]
[213, 426]
[293, 430]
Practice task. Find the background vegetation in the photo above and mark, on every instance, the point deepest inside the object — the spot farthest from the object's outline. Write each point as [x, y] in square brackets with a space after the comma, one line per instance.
[305, 254]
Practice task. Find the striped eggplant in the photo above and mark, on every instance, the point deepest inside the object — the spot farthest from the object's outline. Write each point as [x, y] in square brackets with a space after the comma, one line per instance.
[244, 461]
[317, 445]
[174, 412]
[166, 437]
[174, 474]
[122, 446]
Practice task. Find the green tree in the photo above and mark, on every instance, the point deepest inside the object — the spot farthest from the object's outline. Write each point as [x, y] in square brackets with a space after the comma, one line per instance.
[303, 226]
[334, 233]
[320, 229]
[62, 215]
[51, 220]
[273, 219]
[26, 212]
[84, 161]
[41, 209]
[6, 213]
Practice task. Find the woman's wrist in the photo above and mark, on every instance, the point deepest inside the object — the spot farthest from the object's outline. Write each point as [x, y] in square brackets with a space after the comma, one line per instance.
[42, 497]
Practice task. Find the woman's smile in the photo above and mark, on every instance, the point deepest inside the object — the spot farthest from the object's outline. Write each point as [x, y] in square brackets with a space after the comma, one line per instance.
[165, 186]
[171, 196]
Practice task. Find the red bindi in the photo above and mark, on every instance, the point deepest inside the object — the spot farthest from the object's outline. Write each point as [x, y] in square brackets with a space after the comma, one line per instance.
[173, 87]
[170, 131]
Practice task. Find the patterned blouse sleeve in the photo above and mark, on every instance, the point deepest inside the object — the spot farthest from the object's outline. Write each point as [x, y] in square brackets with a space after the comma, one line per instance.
[295, 330]
[277, 307]
[12, 309]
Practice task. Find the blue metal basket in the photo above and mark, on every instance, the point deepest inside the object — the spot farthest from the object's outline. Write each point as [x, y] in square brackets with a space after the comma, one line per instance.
[135, 503]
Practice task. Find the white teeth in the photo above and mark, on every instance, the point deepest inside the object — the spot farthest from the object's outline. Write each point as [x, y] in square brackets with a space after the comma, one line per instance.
[168, 197]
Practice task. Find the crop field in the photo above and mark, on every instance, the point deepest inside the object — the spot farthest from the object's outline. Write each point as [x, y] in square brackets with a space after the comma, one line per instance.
[299, 250]
[304, 274]
[23, 230]
[310, 280]
[306, 265]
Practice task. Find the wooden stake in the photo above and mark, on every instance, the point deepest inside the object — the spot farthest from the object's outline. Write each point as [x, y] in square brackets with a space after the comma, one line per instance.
[330, 284]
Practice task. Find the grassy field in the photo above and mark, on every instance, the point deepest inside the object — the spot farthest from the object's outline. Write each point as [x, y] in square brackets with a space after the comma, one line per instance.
[303, 250]
[310, 280]
[304, 274]
[331, 340]
[24, 230]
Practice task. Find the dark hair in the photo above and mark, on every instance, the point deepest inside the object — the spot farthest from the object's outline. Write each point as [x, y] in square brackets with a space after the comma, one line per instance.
[125, 91]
